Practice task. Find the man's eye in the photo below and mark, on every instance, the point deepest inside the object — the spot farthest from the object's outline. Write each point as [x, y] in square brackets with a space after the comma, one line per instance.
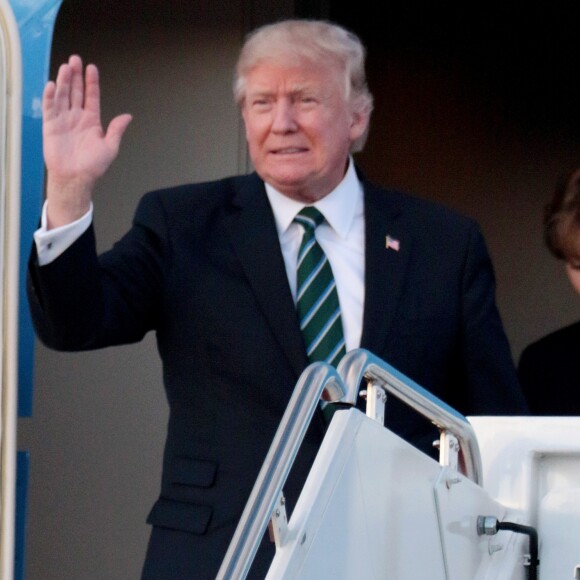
[261, 104]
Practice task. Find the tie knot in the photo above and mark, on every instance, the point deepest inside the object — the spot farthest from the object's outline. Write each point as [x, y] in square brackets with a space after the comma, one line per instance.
[309, 217]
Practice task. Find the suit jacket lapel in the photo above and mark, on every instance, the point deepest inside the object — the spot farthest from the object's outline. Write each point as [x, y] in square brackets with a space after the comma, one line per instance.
[255, 240]
[384, 267]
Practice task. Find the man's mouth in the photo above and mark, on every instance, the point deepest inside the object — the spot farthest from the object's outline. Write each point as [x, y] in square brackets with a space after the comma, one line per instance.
[289, 150]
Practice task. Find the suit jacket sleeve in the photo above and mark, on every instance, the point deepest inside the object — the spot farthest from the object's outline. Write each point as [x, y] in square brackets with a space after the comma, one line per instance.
[82, 301]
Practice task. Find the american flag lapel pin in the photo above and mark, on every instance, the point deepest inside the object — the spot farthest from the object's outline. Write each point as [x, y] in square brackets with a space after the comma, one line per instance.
[392, 244]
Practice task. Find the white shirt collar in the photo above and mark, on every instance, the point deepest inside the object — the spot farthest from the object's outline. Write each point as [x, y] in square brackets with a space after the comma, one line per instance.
[338, 207]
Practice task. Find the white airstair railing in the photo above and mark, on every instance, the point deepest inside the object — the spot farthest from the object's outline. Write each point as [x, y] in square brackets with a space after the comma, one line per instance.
[266, 501]
[265, 506]
[457, 435]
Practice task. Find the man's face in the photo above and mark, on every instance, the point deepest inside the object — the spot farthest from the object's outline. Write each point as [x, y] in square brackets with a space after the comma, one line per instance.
[299, 127]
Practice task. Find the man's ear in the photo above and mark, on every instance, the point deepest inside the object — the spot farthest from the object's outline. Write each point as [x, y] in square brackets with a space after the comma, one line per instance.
[358, 123]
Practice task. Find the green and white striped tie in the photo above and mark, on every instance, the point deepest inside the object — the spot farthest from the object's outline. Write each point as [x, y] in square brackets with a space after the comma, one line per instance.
[317, 298]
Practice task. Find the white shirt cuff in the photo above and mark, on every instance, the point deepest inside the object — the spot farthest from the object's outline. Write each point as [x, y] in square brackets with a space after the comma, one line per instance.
[50, 244]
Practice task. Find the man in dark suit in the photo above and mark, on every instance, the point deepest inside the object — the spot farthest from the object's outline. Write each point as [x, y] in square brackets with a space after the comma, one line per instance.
[211, 269]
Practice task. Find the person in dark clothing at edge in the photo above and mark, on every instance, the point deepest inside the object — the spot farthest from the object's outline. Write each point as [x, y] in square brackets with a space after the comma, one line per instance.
[549, 368]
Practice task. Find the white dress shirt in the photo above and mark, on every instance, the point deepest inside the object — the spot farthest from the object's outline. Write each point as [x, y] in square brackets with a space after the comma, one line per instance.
[341, 236]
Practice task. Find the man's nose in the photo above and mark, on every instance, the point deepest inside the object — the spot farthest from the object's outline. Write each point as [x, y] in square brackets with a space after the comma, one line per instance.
[284, 117]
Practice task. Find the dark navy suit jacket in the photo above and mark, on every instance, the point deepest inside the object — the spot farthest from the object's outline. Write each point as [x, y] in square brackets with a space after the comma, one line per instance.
[202, 267]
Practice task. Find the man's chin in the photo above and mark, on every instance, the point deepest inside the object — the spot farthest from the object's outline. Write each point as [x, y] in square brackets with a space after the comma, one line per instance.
[287, 181]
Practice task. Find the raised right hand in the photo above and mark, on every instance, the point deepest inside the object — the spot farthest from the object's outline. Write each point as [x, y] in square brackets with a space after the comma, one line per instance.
[77, 152]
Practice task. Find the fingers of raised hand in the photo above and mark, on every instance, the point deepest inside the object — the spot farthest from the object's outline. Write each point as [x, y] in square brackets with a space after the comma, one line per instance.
[92, 94]
[72, 92]
[48, 100]
[61, 101]
[76, 91]
[116, 130]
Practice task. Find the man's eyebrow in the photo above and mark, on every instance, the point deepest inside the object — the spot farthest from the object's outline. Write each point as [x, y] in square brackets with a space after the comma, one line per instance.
[259, 94]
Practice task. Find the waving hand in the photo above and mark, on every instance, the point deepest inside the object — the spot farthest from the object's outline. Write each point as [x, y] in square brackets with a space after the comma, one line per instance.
[77, 150]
